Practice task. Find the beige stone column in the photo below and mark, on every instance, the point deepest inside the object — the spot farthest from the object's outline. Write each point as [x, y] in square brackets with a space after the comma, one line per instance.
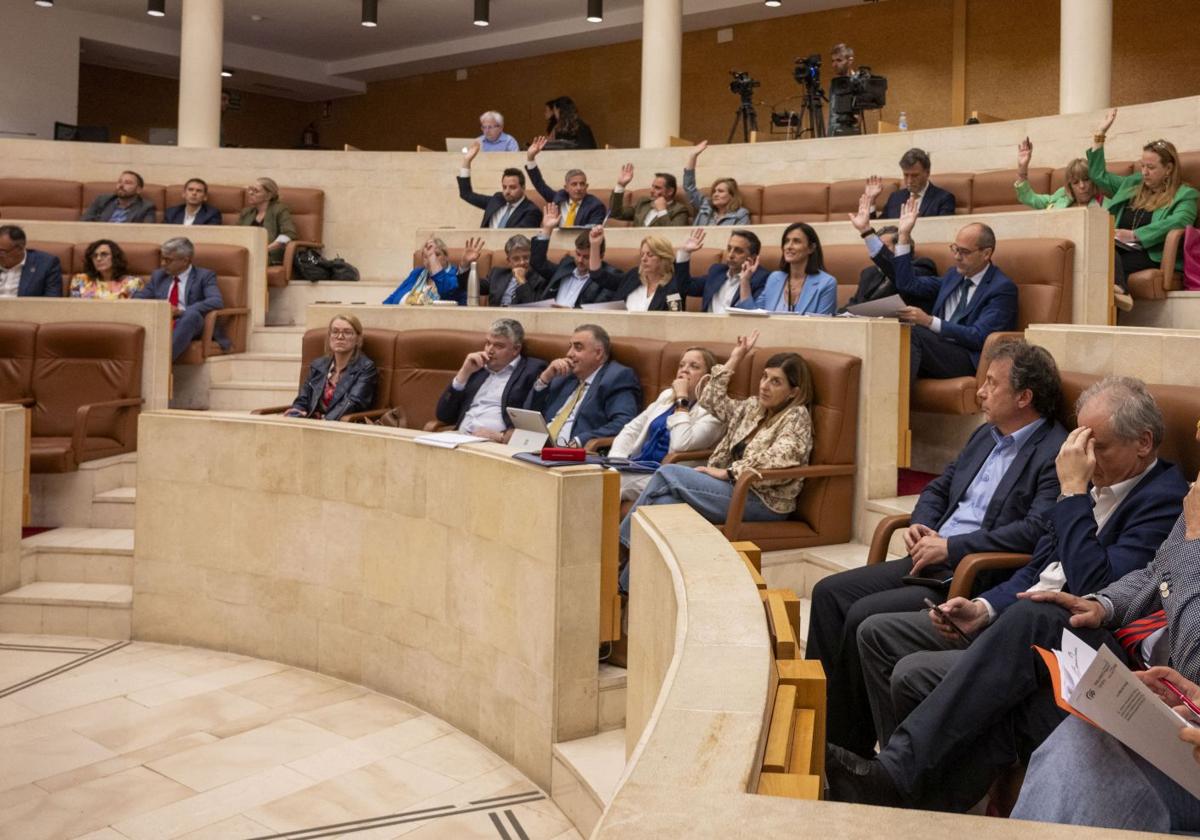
[1084, 56]
[200, 51]
[662, 48]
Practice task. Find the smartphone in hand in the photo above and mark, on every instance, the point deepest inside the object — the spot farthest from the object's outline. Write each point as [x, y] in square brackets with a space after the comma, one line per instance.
[934, 608]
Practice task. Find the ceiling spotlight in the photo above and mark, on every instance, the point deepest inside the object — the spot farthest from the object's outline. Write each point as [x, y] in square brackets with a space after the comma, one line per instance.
[45, 4]
[774, 4]
[156, 8]
[481, 12]
[370, 13]
[595, 11]
[226, 74]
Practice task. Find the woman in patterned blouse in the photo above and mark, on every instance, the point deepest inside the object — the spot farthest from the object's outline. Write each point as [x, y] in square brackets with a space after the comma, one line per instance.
[105, 275]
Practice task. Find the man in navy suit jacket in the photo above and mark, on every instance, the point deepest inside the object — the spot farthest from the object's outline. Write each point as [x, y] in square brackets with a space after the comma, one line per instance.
[195, 204]
[589, 210]
[196, 295]
[25, 272]
[721, 288]
[973, 300]
[570, 283]
[508, 208]
[990, 706]
[990, 499]
[932, 200]
[476, 401]
[585, 394]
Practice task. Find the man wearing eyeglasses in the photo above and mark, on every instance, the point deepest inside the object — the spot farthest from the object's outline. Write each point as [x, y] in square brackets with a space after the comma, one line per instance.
[972, 301]
[25, 272]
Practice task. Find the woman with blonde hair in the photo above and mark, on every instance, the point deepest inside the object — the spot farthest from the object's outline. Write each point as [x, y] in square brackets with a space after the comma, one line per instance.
[1147, 205]
[341, 382]
[723, 204]
[435, 280]
[265, 210]
[655, 285]
[1078, 192]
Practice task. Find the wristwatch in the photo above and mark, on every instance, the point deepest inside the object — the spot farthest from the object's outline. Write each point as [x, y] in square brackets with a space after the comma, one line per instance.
[682, 402]
[868, 232]
[1062, 496]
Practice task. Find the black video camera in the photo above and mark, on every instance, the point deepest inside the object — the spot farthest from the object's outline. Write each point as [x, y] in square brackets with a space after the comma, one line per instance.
[858, 91]
[743, 84]
[808, 70]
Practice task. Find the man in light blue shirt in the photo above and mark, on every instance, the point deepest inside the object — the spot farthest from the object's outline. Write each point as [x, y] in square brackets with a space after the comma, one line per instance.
[493, 139]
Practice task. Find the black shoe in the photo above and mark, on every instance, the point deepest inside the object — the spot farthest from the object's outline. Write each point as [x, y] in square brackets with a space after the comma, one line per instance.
[863, 781]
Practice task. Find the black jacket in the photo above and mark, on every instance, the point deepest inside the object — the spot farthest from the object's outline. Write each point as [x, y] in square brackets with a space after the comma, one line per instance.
[498, 279]
[594, 292]
[453, 405]
[879, 281]
[668, 297]
[355, 391]
[526, 214]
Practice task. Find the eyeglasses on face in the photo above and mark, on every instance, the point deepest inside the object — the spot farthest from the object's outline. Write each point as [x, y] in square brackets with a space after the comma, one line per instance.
[962, 252]
[341, 333]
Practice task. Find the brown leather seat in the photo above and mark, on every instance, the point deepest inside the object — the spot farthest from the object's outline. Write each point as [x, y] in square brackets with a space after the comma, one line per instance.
[65, 252]
[994, 192]
[308, 212]
[229, 200]
[87, 381]
[845, 263]
[1154, 283]
[40, 198]
[798, 202]
[232, 266]
[425, 362]
[1058, 177]
[18, 340]
[1042, 270]
[958, 183]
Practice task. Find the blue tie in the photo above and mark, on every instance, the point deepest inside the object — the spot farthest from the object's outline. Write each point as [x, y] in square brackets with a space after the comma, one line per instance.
[963, 301]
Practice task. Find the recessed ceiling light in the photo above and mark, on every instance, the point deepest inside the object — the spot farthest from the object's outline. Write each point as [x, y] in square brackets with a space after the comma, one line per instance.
[595, 11]
[370, 13]
[481, 12]
[257, 18]
[45, 4]
[774, 4]
[156, 8]
[227, 74]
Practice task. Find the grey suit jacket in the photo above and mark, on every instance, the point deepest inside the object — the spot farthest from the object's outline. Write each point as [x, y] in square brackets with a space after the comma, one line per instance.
[102, 209]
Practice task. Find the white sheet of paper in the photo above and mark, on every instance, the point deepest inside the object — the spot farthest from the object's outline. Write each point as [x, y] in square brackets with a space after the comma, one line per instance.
[447, 440]
[883, 308]
[608, 304]
[548, 303]
[757, 313]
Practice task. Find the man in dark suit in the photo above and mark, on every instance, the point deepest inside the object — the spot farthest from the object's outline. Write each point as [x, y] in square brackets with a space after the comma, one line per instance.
[25, 272]
[585, 394]
[571, 283]
[995, 704]
[192, 291]
[508, 208]
[1094, 537]
[124, 204]
[476, 401]
[515, 283]
[721, 287]
[576, 207]
[989, 499]
[195, 209]
[932, 200]
[659, 209]
[878, 281]
[972, 301]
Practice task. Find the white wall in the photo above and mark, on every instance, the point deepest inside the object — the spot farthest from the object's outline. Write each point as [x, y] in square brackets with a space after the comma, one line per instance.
[39, 61]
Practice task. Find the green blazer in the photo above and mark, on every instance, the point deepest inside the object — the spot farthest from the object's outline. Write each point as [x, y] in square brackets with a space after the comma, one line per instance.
[277, 220]
[1040, 201]
[1180, 213]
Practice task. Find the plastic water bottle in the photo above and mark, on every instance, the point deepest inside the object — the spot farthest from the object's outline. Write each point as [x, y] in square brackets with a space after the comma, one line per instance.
[903, 124]
[473, 285]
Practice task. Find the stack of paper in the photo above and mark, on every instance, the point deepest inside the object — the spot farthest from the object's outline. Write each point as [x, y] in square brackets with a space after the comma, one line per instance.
[447, 440]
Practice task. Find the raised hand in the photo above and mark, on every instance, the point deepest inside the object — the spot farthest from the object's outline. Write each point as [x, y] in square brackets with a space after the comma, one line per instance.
[535, 147]
[694, 242]
[874, 188]
[596, 235]
[744, 344]
[862, 219]
[696, 152]
[626, 176]
[748, 268]
[472, 250]
[550, 216]
[1024, 155]
[1107, 121]
[470, 154]
[908, 219]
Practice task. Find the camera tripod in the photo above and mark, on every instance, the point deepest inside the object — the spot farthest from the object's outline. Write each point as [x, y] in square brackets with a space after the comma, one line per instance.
[748, 117]
[812, 110]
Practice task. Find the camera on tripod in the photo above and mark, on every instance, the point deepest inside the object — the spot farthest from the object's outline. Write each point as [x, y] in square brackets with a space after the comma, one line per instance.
[743, 84]
[808, 70]
[858, 91]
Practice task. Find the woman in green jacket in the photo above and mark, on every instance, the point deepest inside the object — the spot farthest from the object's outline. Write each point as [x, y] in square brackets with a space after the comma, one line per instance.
[1079, 191]
[266, 211]
[1147, 204]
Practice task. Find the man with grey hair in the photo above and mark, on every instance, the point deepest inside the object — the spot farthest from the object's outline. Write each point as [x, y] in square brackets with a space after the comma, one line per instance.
[192, 292]
[512, 284]
[577, 208]
[967, 709]
[493, 138]
[490, 380]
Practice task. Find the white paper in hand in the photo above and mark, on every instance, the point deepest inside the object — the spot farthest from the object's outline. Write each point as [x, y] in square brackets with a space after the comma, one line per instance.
[886, 307]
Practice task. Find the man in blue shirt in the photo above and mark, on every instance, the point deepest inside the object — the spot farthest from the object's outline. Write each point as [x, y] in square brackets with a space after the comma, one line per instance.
[493, 139]
[990, 499]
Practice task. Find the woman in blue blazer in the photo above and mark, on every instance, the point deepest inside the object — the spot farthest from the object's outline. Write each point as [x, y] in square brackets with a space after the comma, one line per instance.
[802, 286]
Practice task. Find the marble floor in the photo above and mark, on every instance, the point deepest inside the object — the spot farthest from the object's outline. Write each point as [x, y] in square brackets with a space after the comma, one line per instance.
[135, 741]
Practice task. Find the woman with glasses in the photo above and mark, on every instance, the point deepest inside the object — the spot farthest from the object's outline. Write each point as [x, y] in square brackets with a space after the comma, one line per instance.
[265, 210]
[435, 280]
[342, 381]
[802, 286]
[105, 275]
[1147, 205]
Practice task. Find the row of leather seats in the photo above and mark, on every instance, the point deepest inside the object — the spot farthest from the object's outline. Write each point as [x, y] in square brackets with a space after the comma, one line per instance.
[65, 201]
[1042, 268]
[83, 382]
[415, 366]
[230, 262]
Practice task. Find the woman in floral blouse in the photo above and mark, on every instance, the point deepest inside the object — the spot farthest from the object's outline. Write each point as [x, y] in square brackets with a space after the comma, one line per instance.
[770, 431]
[105, 275]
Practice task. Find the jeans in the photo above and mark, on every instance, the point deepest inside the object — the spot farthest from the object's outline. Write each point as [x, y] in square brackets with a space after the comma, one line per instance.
[708, 496]
[1083, 776]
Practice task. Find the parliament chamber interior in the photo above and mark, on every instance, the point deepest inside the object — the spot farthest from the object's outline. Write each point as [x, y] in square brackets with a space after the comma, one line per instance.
[366, 472]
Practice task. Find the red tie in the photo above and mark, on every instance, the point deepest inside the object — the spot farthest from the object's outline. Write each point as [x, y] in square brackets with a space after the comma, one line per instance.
[1134, 633]
[174, 296]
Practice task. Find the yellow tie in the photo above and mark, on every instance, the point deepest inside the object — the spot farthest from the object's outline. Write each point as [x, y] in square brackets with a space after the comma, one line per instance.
[571, 214]
[560, 419]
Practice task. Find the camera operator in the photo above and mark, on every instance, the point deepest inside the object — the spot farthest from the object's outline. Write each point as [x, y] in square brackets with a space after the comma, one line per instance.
[841, 61]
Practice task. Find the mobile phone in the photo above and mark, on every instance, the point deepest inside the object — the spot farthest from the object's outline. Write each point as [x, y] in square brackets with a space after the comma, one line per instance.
[934, 583]
[934, 608]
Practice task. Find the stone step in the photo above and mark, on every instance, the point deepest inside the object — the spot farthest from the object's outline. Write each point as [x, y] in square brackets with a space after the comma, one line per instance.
[255, 367]
[276, 340]
[584, 775]
[79, 555]
[114, 508]
[611, 683]
[248, 395]
[98, 610]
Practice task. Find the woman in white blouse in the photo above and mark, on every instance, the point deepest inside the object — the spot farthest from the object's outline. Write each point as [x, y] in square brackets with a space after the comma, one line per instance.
[673, 423]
